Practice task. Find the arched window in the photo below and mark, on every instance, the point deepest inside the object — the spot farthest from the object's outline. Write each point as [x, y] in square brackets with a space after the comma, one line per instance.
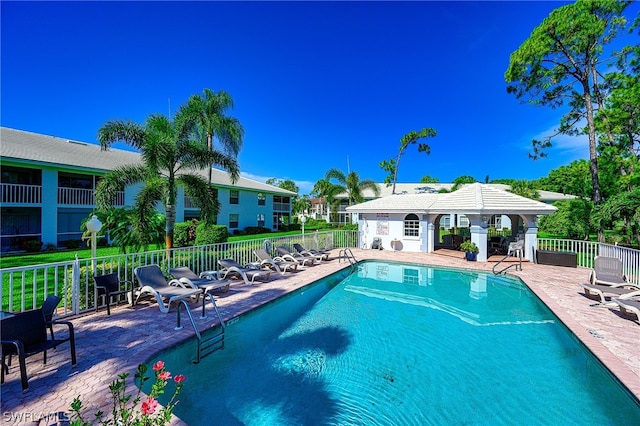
[411, 225]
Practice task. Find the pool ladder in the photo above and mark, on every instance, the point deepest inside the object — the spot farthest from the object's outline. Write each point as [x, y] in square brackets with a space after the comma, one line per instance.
[513, 249]
[209, 344]
[347, 254]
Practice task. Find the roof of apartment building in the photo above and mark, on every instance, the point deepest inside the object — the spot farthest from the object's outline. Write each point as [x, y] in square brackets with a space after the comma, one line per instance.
[41, 149]
[434, 188]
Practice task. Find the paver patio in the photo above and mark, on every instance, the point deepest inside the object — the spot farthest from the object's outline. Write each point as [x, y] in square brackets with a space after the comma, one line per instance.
[110, 345]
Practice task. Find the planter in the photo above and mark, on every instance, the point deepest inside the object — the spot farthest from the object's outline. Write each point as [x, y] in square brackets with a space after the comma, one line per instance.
[471, 257]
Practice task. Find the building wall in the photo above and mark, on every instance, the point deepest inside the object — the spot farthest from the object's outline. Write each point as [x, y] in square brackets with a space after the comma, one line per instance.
[55, 223]
[247, 208]
[389, 227]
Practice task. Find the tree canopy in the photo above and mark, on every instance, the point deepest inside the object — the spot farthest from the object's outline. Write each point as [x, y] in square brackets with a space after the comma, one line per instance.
[560, 64]
[172, 154]
[287, 184]
[209, 112]
[352, 185]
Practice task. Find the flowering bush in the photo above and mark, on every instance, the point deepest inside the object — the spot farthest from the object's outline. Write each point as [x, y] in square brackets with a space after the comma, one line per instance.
[132, 412]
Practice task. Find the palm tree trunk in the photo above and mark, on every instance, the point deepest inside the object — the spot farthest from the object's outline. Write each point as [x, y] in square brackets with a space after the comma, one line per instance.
[169, 226]
[210, 148]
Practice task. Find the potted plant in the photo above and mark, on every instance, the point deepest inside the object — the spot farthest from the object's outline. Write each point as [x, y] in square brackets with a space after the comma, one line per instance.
[471, 250]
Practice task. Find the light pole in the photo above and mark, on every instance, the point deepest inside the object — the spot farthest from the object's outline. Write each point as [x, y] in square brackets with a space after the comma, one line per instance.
[94, 226]
[303, 219]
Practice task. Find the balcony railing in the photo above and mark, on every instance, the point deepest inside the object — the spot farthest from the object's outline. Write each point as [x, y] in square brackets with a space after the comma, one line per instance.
[76, 196]
[281, 207]
[21, 194]
[32, 194]
[84, 197]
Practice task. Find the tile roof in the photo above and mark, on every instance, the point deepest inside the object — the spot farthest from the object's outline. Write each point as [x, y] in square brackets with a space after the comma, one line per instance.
[42, 149]
[433, 188]
[475, 198]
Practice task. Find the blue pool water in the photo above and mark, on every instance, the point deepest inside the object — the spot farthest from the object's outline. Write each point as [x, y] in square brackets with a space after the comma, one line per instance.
[401, 344]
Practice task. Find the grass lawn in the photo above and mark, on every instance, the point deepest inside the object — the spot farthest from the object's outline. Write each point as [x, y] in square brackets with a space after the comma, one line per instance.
[28, 259]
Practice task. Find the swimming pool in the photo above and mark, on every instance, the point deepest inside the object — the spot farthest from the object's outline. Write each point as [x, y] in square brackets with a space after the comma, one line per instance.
[401, 344]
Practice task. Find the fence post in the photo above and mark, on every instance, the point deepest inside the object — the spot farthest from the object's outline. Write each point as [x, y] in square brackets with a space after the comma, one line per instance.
[75, 286]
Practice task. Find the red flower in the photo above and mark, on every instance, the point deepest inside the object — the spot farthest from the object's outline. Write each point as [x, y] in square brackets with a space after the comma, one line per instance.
[165, 375]
[158, 366]
[179, 378]
[149, 406]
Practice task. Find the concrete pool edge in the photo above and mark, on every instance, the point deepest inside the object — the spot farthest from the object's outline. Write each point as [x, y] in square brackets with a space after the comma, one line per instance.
[112, 345]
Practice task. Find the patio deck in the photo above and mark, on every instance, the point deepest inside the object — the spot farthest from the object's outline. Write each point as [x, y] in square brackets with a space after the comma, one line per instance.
[110, 345]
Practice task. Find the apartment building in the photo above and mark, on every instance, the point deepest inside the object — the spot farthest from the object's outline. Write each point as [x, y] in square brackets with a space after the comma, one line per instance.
[48, 186]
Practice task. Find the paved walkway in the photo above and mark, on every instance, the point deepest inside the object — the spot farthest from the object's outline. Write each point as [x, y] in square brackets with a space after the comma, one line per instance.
[110, 345]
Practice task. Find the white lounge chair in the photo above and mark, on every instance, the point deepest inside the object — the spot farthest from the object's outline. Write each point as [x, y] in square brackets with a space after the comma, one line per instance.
[285, 255]
[317, 254]
[249, 273]
[607, 271]
[152, 282]
[628, 307]
[205, 281]
[598, 291]
[280, 266]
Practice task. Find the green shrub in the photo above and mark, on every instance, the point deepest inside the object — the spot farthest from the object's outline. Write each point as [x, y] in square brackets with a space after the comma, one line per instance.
[184, 233]
[350, 227]
[292, 227]
[49, 247]
[253, 230]
[211, 234]
[72, 244]
[181, 234]
[32, 246]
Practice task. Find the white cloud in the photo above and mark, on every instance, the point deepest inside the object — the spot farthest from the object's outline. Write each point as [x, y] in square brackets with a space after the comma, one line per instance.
[305, 187]
[571, 146]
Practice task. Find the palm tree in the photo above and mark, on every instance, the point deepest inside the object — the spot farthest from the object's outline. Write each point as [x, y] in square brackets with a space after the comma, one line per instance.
[328, 192]
[352, 185]
[171, 156]
[209, 112]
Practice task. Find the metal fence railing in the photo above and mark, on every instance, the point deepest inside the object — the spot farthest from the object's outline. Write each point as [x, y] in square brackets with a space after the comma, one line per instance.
[587, 250]
[25, 288]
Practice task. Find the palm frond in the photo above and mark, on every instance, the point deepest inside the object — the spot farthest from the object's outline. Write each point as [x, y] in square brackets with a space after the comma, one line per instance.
[128, 132]
[203, 195]
[116, 181]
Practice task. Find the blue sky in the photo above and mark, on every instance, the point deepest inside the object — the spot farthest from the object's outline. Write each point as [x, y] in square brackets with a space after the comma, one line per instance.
[316, 85]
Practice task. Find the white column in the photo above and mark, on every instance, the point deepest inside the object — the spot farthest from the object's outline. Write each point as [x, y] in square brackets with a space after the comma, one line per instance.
[530, 242]
[427, 236]
[479, 236]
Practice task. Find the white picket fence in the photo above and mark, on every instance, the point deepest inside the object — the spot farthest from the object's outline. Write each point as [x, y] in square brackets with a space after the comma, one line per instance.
[24, 288]
[588, 250]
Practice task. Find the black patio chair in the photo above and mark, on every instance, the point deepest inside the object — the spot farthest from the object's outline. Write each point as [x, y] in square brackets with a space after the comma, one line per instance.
[109, 285]
[48, 309]
[25, 334]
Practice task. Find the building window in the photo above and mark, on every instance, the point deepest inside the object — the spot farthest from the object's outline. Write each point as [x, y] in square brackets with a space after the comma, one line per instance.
[261, 220]
[233, 221]
[262, 199]
[411, 225]
[72, 180]
[234, 196]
